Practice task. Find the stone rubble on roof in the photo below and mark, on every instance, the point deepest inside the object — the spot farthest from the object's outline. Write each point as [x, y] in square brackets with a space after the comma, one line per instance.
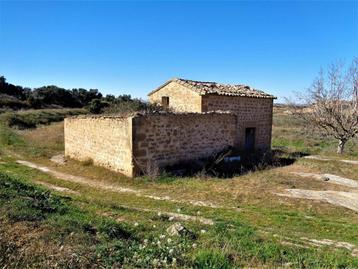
[204, 88]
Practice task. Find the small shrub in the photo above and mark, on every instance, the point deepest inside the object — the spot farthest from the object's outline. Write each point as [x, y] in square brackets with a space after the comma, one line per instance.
[114, 230]
[115, 253]
[129, 106]
[20, 122]
[20, 210]
[213, 259]
[97, 106]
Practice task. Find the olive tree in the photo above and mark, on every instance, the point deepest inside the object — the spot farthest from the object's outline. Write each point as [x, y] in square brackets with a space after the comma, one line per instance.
[331, 103]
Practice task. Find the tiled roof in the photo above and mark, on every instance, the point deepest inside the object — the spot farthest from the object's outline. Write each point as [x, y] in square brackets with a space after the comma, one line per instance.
[204, 88]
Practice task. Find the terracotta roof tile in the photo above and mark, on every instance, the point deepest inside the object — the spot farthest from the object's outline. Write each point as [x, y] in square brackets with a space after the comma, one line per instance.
[204, 88]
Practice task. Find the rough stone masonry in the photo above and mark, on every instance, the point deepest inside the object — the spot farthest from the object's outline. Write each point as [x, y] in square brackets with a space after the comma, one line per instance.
[208, 117]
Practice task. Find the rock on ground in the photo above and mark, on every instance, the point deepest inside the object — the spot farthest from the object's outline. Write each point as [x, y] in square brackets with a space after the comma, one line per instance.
[176, 229]
[59, 159]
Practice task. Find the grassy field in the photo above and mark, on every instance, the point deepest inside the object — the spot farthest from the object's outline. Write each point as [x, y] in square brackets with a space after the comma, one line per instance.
[113, 221]
[32, 118]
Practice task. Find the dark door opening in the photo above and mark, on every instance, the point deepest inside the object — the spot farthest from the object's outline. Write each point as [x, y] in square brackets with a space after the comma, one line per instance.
[250, 138]
[165, 101]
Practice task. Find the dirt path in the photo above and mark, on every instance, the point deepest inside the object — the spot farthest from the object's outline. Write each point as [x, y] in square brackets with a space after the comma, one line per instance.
[305, 242]
[56, 188]
[76, 179]
[347, 199]
[169, 215]
[106, 186]
[316, 157]
[328, 242]
[339, 198]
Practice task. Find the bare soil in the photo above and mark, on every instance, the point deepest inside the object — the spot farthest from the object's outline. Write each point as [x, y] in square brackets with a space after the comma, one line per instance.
[330, 179]
[316, 157]
[338, 198]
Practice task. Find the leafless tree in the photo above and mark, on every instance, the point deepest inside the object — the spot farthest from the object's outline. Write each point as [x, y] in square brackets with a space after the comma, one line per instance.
[330, 105]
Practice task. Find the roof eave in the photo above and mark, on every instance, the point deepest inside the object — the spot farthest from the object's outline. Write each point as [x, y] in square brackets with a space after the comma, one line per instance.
[202, 93]
[238, 95]
[161, 86]
[176, 80]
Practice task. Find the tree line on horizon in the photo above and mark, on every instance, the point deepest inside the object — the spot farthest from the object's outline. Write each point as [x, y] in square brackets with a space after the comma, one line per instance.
[16, 97]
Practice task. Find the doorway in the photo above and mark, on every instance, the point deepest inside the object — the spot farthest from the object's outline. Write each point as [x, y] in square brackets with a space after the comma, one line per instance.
[165, 101]
[250, 139]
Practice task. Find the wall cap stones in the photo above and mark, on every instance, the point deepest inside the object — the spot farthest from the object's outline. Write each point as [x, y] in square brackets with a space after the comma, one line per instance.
[146, 114]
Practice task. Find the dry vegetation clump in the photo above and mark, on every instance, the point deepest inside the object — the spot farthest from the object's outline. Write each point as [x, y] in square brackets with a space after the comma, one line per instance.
[44, 141]
[134, 106]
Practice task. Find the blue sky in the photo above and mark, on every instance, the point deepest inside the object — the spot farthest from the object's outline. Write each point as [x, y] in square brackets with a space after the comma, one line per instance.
[133, 47]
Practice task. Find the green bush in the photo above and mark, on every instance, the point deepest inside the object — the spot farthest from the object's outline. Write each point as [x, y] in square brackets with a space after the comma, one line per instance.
[114, 230]
[20, 122]
[21, 210]
[214, 259]
[115, 253]
[97, 106]
[133, 105]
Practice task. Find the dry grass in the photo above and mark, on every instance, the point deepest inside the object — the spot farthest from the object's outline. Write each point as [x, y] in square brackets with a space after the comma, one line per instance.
[45, 141]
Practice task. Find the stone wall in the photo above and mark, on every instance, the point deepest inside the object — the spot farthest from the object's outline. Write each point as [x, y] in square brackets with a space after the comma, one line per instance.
[250, 112]
[160, 140]
[105, 140]
[181, 99]
[135, 145]
[140, 143]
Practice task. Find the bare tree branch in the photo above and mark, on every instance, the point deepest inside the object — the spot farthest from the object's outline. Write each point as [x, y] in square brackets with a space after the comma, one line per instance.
[331, 103]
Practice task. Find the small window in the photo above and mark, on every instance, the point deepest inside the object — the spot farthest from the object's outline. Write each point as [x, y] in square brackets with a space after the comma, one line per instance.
[165, 101]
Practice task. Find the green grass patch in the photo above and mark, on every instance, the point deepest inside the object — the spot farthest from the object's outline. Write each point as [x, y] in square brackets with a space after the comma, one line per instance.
[102, 241]
[209, 258]
[33, 118]
[8, 138]
[239, 245]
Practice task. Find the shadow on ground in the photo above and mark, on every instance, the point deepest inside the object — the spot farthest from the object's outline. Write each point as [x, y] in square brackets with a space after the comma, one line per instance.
[230, 163]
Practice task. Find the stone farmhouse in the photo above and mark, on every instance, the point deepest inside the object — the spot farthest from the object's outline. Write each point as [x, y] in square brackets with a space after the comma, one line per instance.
[207, 118]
